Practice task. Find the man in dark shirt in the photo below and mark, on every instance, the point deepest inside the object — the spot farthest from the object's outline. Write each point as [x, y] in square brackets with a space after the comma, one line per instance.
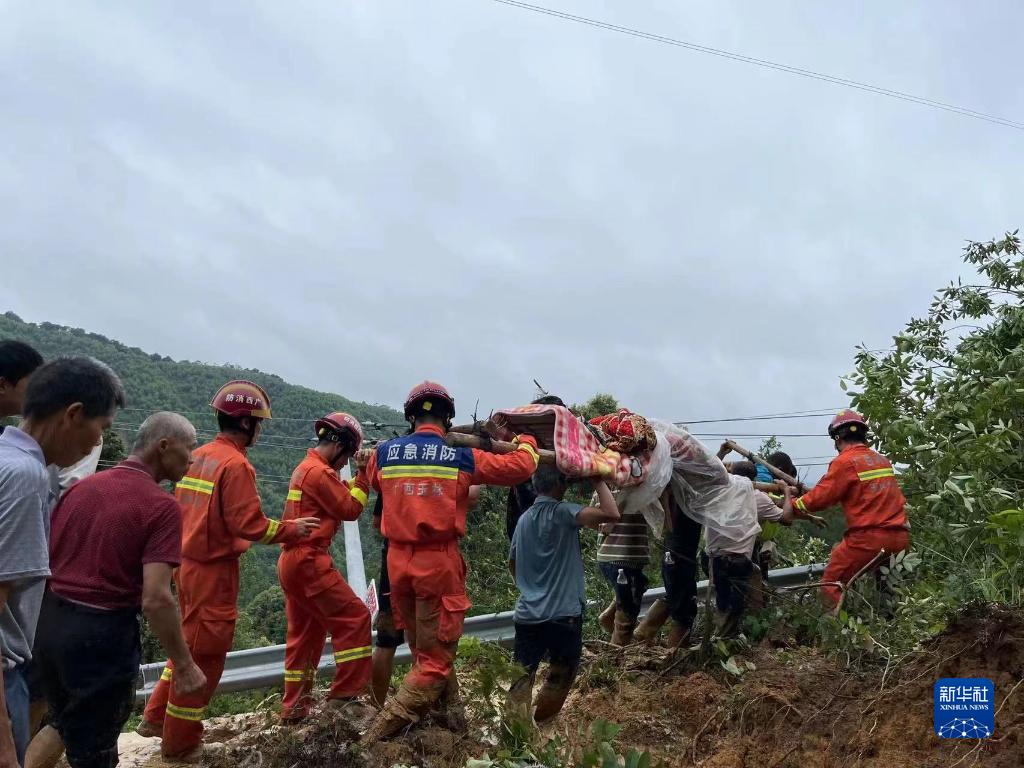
[116, 537]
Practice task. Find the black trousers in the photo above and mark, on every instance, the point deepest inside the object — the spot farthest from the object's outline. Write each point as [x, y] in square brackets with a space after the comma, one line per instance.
[679, 569]
[561, 640]
[89, 664]
[629, 596]
[730, 576]
[387, 635]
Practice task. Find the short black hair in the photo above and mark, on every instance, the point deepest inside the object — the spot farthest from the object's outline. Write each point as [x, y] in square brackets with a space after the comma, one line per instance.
[69, 380]
[781, 460]
[229, 423]
[744, 469]
[346, 441]
[852, 433]
[548, 400]
[547, 477]
[17, 360]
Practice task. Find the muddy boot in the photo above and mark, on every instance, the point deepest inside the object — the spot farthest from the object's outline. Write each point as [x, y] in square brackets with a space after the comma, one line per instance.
[728, 623]
[518, 714]
[553, 693]
[607, 618]
[624, 625]
[450, 712]
[390, 720]
[403, 709]
[652, 623]
[677, 635]
[147, 730]
[192, 757]
[356, 712]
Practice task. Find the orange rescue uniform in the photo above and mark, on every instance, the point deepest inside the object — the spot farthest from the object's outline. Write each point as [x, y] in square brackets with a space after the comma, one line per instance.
[221, 517]
[425, 487]
[317, 598]
[864, 483]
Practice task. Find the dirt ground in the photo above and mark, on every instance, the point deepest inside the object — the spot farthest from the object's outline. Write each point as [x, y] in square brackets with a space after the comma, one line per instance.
[797, 709]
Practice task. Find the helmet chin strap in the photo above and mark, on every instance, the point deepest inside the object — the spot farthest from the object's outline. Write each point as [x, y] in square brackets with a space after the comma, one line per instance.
[251, 432]
[336, 462]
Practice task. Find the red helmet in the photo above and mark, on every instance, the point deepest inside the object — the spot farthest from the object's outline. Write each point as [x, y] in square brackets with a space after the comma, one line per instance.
[340, 424]
[851, 420]
[424, 396]
[242, 398]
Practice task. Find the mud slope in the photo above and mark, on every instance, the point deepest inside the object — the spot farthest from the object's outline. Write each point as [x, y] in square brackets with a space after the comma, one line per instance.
[797, 709]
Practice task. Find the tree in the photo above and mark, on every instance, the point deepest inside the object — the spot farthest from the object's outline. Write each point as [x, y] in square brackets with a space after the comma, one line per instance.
[113, 450]
[599, 405]
[946, 404]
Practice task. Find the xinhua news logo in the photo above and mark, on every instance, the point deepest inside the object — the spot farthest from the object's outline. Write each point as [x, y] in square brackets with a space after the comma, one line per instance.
[965, 708]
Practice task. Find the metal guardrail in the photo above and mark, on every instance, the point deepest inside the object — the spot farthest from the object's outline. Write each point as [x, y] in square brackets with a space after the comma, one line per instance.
[264, 667]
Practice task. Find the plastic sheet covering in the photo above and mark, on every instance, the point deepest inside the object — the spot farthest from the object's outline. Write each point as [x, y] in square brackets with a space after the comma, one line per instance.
[646, 497]
[703, 488]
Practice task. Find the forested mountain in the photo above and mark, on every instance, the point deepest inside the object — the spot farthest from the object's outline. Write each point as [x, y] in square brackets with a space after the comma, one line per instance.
[154, 382]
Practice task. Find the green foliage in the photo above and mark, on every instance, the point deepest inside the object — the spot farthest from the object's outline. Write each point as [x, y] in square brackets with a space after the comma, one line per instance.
[600, 404]
[155, 383]
[114, 449]
[946, 404]
[593, 748]
[769, 446]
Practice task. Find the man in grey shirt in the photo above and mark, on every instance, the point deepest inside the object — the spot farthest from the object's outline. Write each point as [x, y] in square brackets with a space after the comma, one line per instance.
[68, 404]
[547, 565]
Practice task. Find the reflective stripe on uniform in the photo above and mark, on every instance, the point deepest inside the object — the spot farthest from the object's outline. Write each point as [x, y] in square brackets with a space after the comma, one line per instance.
[294, 494]
[423, 470]
[196, 484]
[799, 504]
[193, 714]
[359, 495]
[272, 528]
[874, 474]
[295, 675]
[166, 674]
[352, 654]
[530, 450]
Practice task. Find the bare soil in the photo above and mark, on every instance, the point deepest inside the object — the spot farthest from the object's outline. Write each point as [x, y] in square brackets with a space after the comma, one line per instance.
[797, 709]
[800, 709]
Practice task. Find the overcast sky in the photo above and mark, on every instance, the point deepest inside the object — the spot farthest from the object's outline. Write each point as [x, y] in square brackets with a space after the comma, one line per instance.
[358, 195]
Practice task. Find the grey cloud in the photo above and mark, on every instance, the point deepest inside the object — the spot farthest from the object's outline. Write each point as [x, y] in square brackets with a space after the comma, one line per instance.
[356, 196]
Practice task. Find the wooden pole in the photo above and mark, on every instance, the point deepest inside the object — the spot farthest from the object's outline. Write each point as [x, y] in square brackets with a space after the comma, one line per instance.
[751, 456]
[460, 440]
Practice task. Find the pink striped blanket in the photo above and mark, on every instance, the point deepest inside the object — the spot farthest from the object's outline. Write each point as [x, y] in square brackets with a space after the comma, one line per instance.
[578, 452]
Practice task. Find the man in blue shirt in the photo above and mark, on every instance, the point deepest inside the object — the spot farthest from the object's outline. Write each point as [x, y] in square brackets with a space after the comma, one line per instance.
[547, 564]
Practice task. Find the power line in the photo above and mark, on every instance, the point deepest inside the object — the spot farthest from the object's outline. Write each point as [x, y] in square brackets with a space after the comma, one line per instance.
[770, 417]
[306, 420]
[758, 434]
[808, 73]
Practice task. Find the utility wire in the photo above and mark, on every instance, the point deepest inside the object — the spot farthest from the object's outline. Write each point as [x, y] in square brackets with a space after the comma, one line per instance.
[770, 417]
[808, 73]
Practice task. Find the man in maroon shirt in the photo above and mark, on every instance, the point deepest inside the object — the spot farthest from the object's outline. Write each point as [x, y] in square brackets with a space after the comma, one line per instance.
[115, 538]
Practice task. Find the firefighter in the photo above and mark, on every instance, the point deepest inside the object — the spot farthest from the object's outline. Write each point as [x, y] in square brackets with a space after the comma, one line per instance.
[318, 601]
[221, 518]
[863, 482]
[425, 487]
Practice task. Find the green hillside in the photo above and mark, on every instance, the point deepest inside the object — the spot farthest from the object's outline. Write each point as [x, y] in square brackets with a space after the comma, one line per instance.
[155, 382]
